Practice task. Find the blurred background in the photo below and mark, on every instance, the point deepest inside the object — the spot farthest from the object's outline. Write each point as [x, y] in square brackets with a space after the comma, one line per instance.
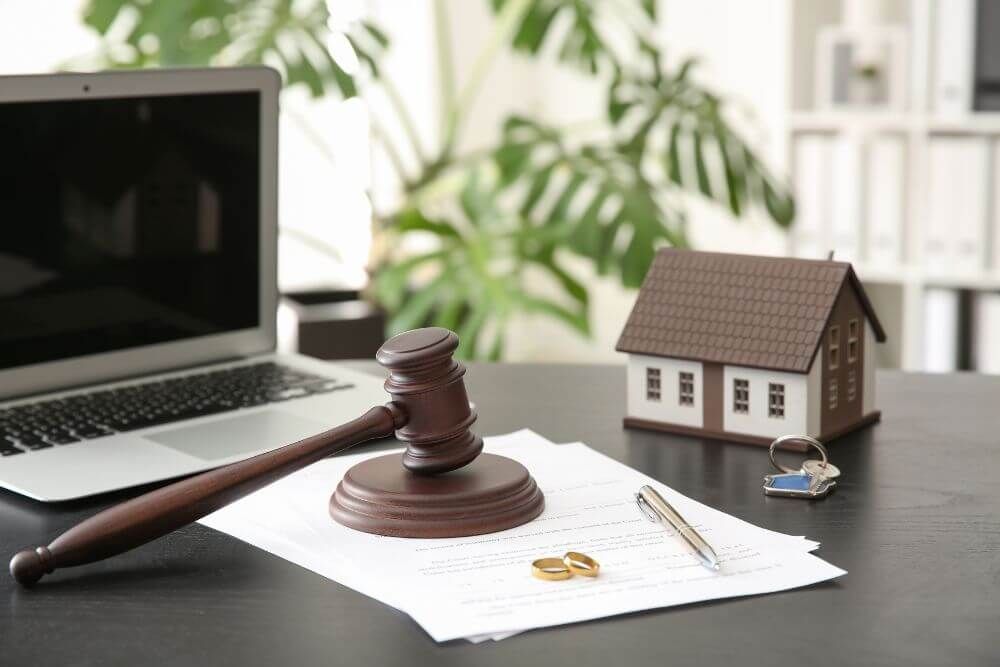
[507, 168]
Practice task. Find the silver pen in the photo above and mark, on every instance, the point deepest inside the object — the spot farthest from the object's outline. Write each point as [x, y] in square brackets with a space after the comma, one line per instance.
[658, 510]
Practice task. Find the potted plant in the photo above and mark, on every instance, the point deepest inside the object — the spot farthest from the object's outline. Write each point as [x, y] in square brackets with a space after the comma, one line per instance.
[611, 194]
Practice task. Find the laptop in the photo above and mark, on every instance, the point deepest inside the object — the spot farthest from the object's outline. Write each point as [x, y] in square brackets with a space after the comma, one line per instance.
[138, 227]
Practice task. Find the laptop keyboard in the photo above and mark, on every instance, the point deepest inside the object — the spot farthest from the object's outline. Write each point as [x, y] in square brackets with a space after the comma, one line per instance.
[34, 426]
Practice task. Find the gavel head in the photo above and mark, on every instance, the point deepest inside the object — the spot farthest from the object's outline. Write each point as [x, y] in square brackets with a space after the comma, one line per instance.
[427, 385]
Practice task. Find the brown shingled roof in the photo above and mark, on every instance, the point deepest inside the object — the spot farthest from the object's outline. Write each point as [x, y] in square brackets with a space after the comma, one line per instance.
[745, 310]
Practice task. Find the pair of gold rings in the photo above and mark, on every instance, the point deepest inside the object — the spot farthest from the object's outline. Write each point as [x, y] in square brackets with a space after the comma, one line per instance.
[557, 569]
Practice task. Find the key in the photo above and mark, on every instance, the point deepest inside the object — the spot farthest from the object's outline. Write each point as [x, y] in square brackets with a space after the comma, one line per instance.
[817, 467]
[798, 485]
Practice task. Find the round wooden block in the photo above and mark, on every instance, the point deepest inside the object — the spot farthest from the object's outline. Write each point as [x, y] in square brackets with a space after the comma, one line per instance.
[490, 494]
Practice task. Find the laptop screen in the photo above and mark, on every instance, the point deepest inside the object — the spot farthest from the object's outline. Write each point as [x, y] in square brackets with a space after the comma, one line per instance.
[127, 222]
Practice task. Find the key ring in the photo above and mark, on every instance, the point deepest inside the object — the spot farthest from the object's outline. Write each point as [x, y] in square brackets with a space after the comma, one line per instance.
[812, 442]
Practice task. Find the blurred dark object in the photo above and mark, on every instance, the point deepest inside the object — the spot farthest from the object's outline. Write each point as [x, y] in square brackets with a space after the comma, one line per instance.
[987, 57]
[336, 324]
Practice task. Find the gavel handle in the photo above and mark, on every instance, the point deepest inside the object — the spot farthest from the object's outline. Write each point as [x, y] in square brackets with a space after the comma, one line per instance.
[157, 513]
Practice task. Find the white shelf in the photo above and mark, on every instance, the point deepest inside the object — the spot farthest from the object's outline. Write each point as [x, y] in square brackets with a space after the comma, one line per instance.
[973, 123]
[900, 290]
[917, 276]
[982, 123]
[836, 121]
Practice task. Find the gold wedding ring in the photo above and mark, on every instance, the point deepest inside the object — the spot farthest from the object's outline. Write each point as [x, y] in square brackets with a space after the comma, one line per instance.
[581, 564]
[550, 569]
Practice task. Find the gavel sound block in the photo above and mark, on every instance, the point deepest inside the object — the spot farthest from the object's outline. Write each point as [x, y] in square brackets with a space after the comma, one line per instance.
[441, 486]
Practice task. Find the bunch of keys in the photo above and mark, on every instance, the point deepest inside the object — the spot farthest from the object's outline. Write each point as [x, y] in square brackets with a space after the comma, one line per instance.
[814, 480]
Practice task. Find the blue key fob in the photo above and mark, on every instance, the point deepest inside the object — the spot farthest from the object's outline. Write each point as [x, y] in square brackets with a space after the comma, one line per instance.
[798, 485]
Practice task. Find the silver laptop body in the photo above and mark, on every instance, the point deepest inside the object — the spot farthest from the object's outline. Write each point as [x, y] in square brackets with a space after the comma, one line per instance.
[138, 213]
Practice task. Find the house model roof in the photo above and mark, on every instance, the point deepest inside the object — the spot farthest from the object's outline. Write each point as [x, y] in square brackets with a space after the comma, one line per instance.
[745, 310]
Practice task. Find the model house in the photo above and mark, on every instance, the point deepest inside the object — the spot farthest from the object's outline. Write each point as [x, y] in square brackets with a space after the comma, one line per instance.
[748, 348]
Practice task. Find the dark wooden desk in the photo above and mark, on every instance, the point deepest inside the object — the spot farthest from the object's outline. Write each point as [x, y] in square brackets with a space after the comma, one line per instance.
[914, 521]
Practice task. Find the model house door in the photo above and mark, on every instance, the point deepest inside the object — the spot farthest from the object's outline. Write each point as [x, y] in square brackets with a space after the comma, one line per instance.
[712, 396]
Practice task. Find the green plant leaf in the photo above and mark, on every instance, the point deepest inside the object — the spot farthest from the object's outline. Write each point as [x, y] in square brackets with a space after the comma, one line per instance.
[415, 310]
[413, 220]
[468, 333]
[586, 38]
[674, 155]
[704, 184]
[538, 184]
[100, 14]
[496, 350]
[602, 172]
[677, 111]
[780, 206]
[469, 286]
[573, 287]
[736, 185]
[392, 281]
[236, 32]
[536, 304]
[587, 238]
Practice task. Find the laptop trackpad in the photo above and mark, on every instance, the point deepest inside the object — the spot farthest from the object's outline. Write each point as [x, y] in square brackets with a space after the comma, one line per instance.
[239, 435]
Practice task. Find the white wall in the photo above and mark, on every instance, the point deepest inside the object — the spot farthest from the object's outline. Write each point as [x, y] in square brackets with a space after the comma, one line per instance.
[35, 37]
[323, 168]
[757, 422]
[668, 408]
[741, 47]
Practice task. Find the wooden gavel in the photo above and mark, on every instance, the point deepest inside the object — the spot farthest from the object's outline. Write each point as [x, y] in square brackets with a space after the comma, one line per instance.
[430, 413]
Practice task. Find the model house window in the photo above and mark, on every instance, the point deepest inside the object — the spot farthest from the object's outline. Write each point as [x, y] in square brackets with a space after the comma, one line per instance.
[852, 341]
[741, 396]
[834, 347]
[686, 394]
[776, 400]
[652, 384]
[834, 398]
[852, 385]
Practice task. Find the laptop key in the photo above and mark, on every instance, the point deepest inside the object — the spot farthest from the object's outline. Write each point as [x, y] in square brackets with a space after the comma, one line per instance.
[91, 432]
[61, 439]
[128, 408]
[35, 445]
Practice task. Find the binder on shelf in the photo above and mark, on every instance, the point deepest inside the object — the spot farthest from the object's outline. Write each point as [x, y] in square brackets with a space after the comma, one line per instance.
[957, 203]
[986, 332]
[987, 66]
[886, 195]
[812, 194]
[994, 261]
[954, 47]
[941, 330]
[846, 206]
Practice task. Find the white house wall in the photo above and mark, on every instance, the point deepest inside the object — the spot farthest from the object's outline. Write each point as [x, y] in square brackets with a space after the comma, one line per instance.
[757, 422]
[668, 409]
[868, 387]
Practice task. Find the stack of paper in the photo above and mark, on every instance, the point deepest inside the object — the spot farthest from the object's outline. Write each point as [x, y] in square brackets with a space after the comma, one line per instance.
[481, 587]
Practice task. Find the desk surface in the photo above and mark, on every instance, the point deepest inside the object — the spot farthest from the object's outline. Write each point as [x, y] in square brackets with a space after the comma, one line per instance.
[914, 521]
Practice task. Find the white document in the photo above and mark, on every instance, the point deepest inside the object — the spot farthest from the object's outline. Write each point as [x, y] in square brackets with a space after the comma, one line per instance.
[481, 587]
[886, 196]
[955, 41]
[846, 205]
[994, 205]
[940, 330]
[987, 332]
[812, 195]
[957, 200]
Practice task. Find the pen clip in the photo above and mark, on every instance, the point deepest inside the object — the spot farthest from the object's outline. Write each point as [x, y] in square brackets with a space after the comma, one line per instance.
[645, 508]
